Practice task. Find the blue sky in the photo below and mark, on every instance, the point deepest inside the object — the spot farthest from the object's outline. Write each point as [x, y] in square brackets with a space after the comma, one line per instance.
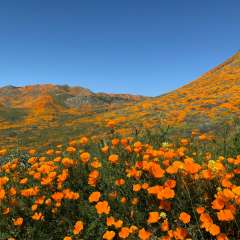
[134, 46]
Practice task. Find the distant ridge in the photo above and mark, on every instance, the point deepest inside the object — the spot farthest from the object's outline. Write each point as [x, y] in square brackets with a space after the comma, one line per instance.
[64, 95]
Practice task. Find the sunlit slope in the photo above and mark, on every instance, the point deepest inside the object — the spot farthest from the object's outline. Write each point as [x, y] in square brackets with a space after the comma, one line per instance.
[213, 96]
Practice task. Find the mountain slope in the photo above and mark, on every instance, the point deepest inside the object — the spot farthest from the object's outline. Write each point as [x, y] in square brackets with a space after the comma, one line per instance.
[51, 113]
[214, 95]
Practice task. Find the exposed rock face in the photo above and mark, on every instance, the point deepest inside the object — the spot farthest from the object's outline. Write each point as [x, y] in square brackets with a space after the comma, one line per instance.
[99, 99]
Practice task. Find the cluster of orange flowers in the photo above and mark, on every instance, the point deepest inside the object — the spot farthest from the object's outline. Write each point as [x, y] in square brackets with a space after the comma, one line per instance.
[131, 189]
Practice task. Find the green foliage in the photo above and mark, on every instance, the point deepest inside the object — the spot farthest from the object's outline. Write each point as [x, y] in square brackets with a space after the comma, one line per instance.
[12, 114]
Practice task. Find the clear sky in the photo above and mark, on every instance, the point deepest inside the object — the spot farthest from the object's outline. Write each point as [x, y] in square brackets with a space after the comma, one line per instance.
[137, 46]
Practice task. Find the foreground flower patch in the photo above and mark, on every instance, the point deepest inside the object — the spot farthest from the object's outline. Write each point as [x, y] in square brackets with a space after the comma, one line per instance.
[120, 189]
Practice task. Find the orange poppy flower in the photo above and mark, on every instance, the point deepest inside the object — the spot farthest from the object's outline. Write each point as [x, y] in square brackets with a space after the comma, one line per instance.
[153, 217]
[204, 217]
[105, 149]
[225, 215]
[110, 221]
[72, 143]
[200, 210]
[184, 141]
[134, 201]
[226, 183]
[33, 191]
[124, 232]
[67, 162]
[236, 190]
[214, 229]
[166, 193]
[155, 189]
[34, 207]
[145, 186]
[120, 182]
[67, 238]
[124, 141]
[222, 236]
[180, 233]
[109, 235]
[96, 164]
[23, 181]
[85, 156]
[133, 228]
[38, 216]
[115, 141]
[102, 207]
[78, 227]
[18, 221]
[191, 166]
[94, 197]
[71, 149]
[83, 140]
[206, 174]
[203, 137]
[57, 196]
[206, 220]
[48, 202]
[137, 187]
[113, 158]
[165, 226]
[170, 183]
[169, 155]
[143, 234]
[218, 204]
[118, 223]
[92, 178]
[6, 211]
[2, 194]
[185, 217]
[157, 171]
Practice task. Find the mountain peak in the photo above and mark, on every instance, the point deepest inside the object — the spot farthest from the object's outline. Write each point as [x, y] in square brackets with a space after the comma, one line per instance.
[234, 58]
[9, 87]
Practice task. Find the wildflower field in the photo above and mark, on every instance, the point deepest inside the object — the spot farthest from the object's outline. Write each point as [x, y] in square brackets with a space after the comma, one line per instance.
[121, 188]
